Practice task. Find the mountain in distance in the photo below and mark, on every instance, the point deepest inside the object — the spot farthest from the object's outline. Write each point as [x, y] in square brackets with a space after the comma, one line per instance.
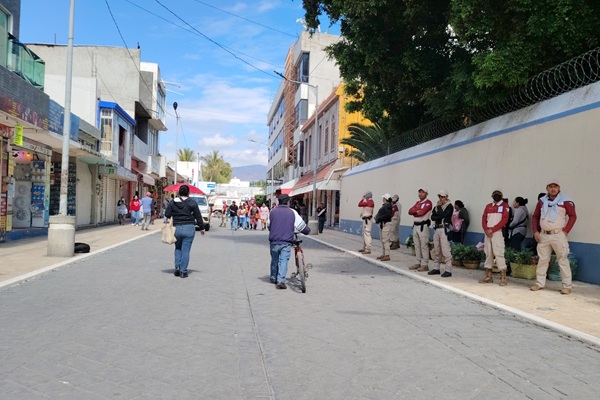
[250, 173]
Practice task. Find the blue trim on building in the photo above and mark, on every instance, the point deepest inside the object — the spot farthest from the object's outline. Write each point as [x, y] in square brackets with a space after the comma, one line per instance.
[587, 254]
[122, 113]
[540, 121]
[17, 234]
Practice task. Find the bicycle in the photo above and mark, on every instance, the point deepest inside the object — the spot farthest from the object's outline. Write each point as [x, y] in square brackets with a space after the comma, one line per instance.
[301, 267]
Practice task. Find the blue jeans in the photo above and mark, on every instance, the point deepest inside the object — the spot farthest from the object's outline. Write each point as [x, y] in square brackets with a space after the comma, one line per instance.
[135, 216]
[185, 236]
[234, 222]
[280, 255]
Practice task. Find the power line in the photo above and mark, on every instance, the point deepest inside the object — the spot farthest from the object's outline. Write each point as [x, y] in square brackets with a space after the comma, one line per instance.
[245, 19]
[216, 43]
[197, 34]
[154, 100]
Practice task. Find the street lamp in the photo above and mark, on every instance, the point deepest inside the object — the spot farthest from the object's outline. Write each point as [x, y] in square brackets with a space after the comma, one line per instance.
[176, 138]
[315, 148]
[272, 167]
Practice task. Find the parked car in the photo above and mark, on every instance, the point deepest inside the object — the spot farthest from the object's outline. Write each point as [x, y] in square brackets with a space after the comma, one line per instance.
[204, 207]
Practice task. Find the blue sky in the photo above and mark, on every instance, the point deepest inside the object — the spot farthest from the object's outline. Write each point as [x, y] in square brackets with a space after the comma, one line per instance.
[222, 101]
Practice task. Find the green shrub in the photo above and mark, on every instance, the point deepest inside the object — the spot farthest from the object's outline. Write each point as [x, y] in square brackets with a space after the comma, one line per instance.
[471, 254]
[409, 242]
[524, 257]
[457, 250]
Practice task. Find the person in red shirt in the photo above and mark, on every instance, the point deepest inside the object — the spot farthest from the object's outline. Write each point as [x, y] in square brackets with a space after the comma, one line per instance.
[494, 218]
[421, 212]
[134, 207]
[552, 220]
[366, 215]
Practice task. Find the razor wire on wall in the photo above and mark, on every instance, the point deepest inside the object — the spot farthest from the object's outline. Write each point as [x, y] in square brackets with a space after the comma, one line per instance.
[573, 74]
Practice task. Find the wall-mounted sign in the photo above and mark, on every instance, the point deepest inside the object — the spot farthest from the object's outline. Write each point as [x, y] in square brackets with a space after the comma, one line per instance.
[18, 139]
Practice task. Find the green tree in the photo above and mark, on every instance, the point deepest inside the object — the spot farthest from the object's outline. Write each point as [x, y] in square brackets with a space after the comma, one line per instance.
[512, 40]
[215, 168]
[186, 155]
[390, 54]
[369, 142]
[414, 61]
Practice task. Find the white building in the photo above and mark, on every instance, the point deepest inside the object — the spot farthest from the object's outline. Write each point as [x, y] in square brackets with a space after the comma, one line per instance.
[308, 63]
[125, 98]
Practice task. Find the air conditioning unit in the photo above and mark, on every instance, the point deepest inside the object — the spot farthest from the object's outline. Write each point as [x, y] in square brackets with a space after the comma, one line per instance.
[340, 149]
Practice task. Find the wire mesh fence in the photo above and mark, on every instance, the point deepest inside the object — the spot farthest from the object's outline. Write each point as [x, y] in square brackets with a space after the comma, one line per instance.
[572, 74]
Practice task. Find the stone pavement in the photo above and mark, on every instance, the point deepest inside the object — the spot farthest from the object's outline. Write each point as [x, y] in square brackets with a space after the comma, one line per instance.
[577, 314]
[118, 325]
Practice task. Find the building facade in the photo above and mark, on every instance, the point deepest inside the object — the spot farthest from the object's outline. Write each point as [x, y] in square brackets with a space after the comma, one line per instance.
[309, 73]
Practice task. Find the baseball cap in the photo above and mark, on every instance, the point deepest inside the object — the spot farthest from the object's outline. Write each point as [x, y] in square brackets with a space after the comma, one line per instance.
[443, 192]
[553, 181]
[424, 190]
[497, 191]
[386, 196]
[395, 197]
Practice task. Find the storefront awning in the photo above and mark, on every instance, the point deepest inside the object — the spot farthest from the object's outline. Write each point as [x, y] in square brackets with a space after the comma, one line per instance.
[147, 179]
[328, 178]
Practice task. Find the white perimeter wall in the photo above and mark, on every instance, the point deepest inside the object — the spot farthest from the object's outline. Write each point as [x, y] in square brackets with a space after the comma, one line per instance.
[518, 152]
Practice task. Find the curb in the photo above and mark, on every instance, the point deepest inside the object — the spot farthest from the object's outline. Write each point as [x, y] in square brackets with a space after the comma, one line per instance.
[562, 329]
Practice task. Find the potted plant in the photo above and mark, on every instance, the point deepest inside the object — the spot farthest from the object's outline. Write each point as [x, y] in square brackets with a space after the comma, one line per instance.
[457, 250]
[471, 257]
[554, 268]
[410, 243]
[523, 265]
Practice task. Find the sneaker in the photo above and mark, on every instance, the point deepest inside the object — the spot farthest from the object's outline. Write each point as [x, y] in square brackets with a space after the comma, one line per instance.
[176, 273]
[133, 224]
[535, 288]
[446, 274]
[184, 275]
[434, 272]
[367, 252]
[565, 291]
[415, 266]
[423, 268]
[281, 285]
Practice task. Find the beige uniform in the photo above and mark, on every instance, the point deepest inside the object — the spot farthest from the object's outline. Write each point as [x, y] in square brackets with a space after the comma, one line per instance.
[395, 225]
[421, 231]
[366, 215]
[553, 236]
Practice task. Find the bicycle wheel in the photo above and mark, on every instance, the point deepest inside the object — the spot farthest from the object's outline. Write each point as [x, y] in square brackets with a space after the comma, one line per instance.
[301, 270]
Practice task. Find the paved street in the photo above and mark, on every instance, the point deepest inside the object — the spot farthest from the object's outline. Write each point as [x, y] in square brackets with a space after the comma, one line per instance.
[119, 325]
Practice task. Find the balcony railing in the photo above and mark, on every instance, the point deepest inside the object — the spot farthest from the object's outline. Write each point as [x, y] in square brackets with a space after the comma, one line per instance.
[19, 59]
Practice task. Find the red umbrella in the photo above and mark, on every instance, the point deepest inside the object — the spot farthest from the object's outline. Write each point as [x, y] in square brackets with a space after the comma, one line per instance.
[175, 188]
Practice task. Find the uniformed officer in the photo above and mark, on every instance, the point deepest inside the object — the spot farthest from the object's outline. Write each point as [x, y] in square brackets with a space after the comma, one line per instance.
[552, 220]
[442, 218]
[366, 215]
[384, 219]
[421, 212]
[494, 218]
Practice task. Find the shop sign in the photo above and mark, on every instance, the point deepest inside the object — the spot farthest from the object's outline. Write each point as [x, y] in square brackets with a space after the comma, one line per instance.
[23, 112]
[56, 121]
[6, 132]
[28, 145]
[107, 170]
[18, 139]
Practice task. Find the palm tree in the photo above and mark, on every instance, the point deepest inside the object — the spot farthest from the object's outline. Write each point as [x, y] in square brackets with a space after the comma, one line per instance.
[215, 168]
[186, 155]
[370, 142]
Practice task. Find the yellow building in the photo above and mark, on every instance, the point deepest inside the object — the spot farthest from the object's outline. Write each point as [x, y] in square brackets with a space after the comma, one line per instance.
[332, 158]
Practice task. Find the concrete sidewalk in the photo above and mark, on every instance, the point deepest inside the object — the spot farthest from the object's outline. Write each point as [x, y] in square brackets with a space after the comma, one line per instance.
[576, 315]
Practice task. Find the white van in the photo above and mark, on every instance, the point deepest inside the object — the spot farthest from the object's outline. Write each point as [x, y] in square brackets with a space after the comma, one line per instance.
[202, 202]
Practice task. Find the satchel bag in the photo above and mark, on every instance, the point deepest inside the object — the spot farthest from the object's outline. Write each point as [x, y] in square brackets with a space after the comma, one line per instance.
[168, 232]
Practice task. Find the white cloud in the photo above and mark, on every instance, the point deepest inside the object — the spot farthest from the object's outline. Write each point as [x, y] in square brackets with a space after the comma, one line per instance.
[268, 5]
[217, 141]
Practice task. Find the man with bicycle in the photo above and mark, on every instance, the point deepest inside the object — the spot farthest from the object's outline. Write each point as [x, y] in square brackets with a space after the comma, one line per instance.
[283, 223]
